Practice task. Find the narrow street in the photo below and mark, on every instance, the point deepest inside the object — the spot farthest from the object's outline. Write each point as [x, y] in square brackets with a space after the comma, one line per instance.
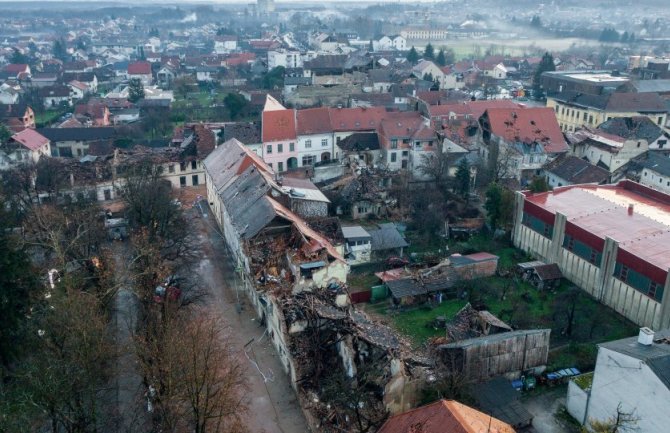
[273, 406]
[131, 415]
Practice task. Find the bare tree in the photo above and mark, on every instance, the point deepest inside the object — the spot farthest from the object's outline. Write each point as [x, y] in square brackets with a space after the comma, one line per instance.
[195, 380]
[620, 422]
[66, 375]
[436, 165]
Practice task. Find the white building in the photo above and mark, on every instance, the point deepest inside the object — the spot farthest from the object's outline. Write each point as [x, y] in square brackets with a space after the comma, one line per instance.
[632, 375]
[285, 58]
[225, 44]
[358, 244]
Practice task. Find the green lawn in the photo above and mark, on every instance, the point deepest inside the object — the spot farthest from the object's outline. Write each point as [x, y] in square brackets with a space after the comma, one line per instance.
[47, 117]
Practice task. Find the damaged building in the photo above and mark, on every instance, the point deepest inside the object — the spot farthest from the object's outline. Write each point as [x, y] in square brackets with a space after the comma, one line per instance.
[295, 278]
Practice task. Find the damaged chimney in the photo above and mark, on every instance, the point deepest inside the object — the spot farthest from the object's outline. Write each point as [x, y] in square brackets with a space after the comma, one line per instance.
[646, 336]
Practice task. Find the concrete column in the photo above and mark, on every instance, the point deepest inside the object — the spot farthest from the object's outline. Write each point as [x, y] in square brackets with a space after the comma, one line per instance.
[519, 200]
[557, 238]
[606, 268]
[665, 303]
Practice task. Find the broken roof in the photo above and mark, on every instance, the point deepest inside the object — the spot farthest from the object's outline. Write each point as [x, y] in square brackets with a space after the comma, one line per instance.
[548, 272]
[632, 128]
[528, 125]
[576, 170]
[444, 416]
[360, 141]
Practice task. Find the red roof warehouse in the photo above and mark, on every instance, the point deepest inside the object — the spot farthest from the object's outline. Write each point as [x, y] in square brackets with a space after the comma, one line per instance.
[611, 240]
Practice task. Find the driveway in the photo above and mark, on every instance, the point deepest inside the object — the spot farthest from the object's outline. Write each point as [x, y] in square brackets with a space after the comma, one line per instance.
[273, 405]
[544, 406]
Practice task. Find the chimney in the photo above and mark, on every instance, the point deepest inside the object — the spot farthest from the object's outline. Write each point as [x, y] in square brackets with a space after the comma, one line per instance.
[646, 336]
[631, 208]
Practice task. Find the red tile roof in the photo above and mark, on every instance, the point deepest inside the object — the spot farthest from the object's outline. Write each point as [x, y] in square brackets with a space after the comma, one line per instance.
[356, 119]
[444, 416]
[16, 68]
[313, 121]
[473, 108]
[278, 125]
[139, 68]
[528, 125]
[30, 138]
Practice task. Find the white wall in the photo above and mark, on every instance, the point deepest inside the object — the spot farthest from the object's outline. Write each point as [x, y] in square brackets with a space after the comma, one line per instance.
[620, 379]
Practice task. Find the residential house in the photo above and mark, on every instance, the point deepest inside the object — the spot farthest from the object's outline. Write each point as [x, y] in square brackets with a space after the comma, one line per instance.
[569, 170]
[575, 110]
[631, 376]
[605, 150]
[206, 74]
[78, 89]
[225, 43]
[444, 416]
[8, 95]
[43, 79]
[609, 240]
[387, 241]
[406, 141]
[90, 79]
[17, 116]
[655, 171]
[93, 113]
[165, 76]
[279, 136]
[247, 133]
[17, 71]
[140, 71]
[361, 149]
[314, 136]
[54, 97]
[27, 146]
[523, 139]
[358, 244]
[640, 129]
[76, 142]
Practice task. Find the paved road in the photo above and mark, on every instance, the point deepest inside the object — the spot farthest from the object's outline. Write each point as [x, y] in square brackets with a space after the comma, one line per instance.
[130, 403]
[273, 406]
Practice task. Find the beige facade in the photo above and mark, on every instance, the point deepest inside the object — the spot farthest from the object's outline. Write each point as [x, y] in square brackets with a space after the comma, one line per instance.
[572, 117]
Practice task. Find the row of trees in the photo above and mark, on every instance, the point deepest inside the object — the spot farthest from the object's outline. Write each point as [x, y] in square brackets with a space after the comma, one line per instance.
[58, 285]
[443, 57]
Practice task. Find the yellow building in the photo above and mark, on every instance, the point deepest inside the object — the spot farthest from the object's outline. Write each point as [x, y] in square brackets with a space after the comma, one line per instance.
[575, 110]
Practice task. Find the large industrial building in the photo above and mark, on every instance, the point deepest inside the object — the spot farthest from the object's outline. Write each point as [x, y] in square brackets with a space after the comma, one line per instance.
[613, 241]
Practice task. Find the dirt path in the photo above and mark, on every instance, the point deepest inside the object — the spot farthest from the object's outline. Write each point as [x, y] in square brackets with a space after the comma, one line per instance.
[273, 406]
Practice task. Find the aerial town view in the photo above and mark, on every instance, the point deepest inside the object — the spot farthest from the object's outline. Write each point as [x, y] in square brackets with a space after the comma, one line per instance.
[294, 216]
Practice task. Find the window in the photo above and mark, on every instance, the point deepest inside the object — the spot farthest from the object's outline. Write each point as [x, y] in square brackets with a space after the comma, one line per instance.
[660, 120]
[108, 194]
[393, 157]
[182, 166]
[182, 181]
[171, 168]
[324, 142]
[308, 144]
[582, 250]
[638, 143]
[590, 119]
[268, 149]
[556, 108]
[194, 179]
[584, 117]
[280, 147]
[417, 144]
[291, 147]
[537, 225]
[194, 165]
[280, 166]
[394, 144]
[639, 281]
[405, 153]
[308, 160]
[562, 110]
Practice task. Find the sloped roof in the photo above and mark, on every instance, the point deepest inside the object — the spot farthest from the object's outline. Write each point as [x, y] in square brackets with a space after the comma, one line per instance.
[444, 416]
[472, 108]
[576, 170]
[356, 119]
[271, 104]
[360, 141]
[657, 163]
[528, 125]
[387, 237]
[246, 132]
[640, 102]
[139, 68]
[78, 134]
[30, 138]
[313, 121]
[632, 128]
[278, 125]
[549, 271]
